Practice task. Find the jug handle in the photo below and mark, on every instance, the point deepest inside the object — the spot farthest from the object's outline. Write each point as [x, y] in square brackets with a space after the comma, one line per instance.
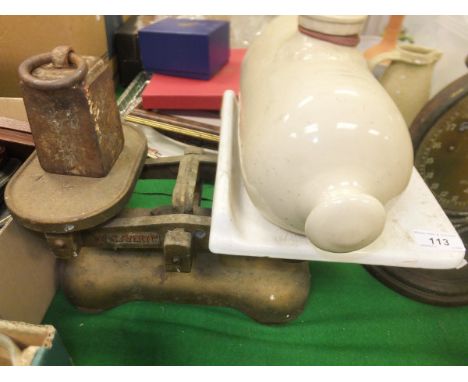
[392, 55]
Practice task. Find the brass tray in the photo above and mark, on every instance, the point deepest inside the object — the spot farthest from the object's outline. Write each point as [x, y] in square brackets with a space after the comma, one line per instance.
[53, 203]
[268, 290]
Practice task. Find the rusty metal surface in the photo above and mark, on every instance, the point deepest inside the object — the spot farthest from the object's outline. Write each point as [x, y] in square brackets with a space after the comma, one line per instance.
[268, 290]
[156, 228]
[60, 57]
[162, 255]
[178, 250]
[63, 56]
[72, 113]
[145, 231]
[168, 168]
[54, 203]
[64, 245]
[184, 191]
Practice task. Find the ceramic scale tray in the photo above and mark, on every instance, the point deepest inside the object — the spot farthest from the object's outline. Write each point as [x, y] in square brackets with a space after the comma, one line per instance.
[417, 232]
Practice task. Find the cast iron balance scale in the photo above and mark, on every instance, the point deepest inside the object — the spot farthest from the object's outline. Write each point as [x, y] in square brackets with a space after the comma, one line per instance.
[74, 190]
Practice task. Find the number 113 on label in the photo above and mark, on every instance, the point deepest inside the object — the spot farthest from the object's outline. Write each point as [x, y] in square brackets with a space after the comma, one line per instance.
[438, 240]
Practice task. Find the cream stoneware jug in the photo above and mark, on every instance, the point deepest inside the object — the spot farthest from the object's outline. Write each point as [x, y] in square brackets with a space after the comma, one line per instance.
[323, 146]
[408, 78]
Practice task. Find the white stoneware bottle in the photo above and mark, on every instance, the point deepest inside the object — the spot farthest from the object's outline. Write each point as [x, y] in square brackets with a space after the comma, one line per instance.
[323, 147]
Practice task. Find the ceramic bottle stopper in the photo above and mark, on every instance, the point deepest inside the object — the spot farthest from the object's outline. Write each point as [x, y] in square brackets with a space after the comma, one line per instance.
[323, 147]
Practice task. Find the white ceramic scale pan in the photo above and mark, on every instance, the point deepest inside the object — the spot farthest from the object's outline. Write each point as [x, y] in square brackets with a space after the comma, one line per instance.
[417, 232]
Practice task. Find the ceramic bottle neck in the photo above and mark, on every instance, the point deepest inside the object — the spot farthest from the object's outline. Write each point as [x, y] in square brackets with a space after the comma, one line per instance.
[339, 30]
[351, 41]
[345, 220]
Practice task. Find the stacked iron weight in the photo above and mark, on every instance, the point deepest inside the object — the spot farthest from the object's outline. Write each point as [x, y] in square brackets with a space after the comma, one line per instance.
[440, 140]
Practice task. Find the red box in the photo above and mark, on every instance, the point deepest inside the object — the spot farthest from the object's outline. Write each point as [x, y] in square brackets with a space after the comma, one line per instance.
[167, 92]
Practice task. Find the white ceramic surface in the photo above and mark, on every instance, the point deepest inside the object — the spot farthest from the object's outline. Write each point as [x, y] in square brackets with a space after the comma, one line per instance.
[334, 25]
[323, 147]
[238, 228]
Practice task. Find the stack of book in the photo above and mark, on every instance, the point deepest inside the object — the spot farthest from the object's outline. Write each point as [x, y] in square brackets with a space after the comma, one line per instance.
[192, 66]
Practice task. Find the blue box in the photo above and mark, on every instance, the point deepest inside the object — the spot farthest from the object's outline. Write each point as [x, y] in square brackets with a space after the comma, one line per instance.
[185, 47]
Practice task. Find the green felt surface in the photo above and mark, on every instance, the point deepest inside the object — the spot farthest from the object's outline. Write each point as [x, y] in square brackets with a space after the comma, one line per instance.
[350, 319]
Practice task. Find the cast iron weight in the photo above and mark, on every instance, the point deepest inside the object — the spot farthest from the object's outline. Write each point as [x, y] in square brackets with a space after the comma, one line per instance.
[72, 112]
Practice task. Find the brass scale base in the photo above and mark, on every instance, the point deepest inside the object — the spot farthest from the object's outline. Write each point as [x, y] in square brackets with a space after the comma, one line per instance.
[111, 255]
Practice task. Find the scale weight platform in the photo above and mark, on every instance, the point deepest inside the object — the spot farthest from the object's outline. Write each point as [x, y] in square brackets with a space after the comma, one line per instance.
[111, 255]
[417, 234]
